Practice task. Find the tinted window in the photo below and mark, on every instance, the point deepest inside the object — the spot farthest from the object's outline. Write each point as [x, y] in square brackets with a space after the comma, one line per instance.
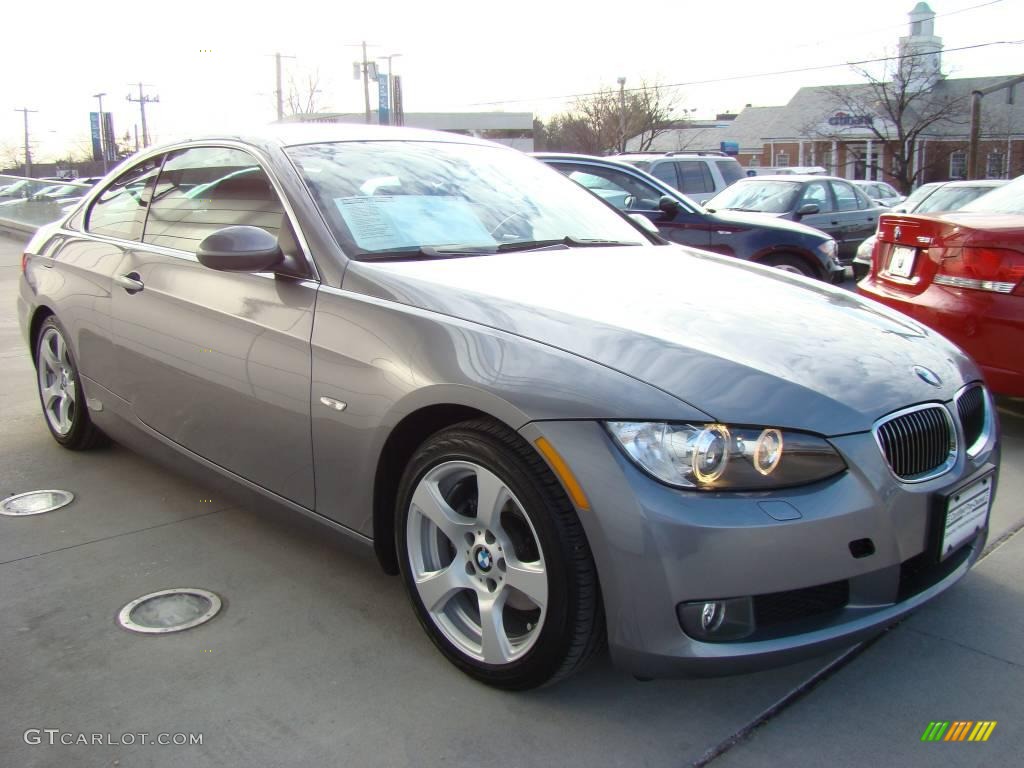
[205, 189]
[120, 209]
[617, 187]
[731, 170]
[817, 192]
[694, 176]
[846, 197]
[665, 172]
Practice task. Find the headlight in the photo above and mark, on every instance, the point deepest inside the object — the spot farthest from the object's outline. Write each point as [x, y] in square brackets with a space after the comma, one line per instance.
[830, 248]
[720, 457]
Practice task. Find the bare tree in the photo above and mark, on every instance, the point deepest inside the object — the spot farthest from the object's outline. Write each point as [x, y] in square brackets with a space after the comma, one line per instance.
[594, 123]
[898, 108]
[11, 155]
[304, 98]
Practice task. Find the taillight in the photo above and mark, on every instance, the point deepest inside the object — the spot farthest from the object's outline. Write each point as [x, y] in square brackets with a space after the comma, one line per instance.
[998, 270]
[24, 261]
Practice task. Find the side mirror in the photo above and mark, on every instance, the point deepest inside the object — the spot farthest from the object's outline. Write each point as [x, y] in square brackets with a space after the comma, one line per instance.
[807, 209]
[646, 224]
[240, 249]
[668, 206]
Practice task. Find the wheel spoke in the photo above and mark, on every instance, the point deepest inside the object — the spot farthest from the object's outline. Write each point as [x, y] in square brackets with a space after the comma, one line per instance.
[62, 351]
[64, 413]
[50, 393]
[494, 646]
[49, 358]
[438, 587]
[427, 500]
[492, 495]
[532, 581]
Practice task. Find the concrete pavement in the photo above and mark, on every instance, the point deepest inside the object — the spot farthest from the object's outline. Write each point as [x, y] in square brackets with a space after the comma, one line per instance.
[317, 658]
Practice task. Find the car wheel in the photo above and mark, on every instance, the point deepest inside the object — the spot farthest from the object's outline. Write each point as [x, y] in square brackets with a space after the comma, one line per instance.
[790, 263]
[60, 391]
[495, 560]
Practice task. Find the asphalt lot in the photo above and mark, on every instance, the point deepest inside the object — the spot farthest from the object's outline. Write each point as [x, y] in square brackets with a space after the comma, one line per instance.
[317, 659]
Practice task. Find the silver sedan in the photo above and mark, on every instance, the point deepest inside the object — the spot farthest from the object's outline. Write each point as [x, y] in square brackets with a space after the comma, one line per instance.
[559, 429]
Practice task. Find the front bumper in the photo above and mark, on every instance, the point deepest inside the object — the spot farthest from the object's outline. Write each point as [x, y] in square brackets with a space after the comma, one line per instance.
[656, 547]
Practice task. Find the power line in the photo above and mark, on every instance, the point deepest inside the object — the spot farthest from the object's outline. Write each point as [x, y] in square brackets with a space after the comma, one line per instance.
[143, 100]
[747, 77]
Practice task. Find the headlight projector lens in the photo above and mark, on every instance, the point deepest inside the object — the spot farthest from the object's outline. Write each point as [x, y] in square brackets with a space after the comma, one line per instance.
[768, 451]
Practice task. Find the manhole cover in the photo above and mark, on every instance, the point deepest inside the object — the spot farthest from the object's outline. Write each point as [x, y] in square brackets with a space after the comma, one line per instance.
[35, 502]
[171, 610]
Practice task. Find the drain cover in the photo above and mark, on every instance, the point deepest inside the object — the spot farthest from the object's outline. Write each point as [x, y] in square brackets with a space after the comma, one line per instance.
[35, 502]
[170, 610]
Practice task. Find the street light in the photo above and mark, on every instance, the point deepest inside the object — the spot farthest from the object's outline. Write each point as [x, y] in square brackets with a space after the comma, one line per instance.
[103, 144]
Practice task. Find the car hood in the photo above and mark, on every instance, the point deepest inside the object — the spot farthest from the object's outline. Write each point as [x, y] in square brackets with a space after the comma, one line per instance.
[768, 220]
[743, 343]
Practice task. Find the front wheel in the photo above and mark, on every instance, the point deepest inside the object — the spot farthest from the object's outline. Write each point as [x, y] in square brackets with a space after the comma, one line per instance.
[790, 263]
[495, 559]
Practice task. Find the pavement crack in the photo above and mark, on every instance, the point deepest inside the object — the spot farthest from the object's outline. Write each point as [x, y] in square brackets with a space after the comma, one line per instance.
[118, 535]
[966, 647]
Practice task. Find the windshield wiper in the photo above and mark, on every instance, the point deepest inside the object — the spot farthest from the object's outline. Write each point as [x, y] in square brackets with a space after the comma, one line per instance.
[567, 241]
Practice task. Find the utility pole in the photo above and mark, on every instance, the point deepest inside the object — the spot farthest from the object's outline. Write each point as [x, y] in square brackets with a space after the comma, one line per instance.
[28, 150]
[278, 91]
[973, 172]
[103, 132]
[143, 100]
[366, 82]
[622, 114]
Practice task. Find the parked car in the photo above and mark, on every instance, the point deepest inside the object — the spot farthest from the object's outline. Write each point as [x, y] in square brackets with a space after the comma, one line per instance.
[786, 170]
[754, 237]
[833, 205]
[936, 196]
[555, 426]
[881, 192]
[961, 273]
[698, 176]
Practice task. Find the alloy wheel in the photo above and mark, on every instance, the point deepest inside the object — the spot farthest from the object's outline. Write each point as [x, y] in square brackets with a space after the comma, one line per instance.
[476, 562]
[57, 382]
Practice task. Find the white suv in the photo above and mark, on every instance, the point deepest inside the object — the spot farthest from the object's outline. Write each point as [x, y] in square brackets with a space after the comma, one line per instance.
[698, 176]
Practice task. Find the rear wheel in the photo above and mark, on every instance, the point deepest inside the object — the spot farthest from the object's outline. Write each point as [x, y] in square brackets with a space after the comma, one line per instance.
[791, 263]
[60, 391]
[495, 559]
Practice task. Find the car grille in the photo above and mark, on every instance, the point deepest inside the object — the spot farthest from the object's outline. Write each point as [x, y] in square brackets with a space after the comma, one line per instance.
[971, 408]
[781, 607]
[918, 444]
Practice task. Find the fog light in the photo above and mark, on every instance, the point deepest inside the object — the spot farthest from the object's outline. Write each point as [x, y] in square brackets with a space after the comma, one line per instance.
[716, 621]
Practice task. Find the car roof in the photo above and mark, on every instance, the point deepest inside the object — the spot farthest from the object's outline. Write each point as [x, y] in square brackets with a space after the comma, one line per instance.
[632, 156]
[297, 134]
[790, 177]
[975, 183]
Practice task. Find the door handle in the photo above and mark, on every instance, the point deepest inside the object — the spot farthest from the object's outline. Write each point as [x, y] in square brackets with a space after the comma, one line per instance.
[130, 282]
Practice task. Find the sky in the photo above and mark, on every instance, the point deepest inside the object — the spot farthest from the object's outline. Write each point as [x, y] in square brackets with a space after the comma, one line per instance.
[211, 63]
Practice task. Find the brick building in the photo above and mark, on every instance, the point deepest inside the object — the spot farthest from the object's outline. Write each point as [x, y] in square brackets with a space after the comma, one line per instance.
[843, 128]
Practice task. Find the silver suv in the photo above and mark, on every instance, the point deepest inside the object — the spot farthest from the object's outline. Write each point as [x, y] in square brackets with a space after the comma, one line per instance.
[698, 176]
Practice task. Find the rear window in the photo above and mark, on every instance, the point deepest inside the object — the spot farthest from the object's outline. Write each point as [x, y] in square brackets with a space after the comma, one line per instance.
[731, 170]
[694, 176]
[1008, 199]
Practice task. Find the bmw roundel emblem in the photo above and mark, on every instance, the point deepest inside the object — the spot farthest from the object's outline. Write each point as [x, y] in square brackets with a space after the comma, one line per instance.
[928, 376]
[483, 559]
[897, 233]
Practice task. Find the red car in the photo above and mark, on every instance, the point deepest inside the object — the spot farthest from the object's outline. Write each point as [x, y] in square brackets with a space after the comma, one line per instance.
[962, 274]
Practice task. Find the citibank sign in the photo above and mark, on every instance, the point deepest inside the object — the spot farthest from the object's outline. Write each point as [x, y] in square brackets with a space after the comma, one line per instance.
[846, 120]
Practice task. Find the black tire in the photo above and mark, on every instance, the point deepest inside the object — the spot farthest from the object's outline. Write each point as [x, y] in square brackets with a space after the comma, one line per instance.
[573, 628]
[83, 434]
[789, 262]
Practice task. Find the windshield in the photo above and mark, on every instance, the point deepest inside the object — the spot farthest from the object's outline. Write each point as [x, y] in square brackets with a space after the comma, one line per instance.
[382, 197]
[1005, 199]
[951, 198]
[763, 196]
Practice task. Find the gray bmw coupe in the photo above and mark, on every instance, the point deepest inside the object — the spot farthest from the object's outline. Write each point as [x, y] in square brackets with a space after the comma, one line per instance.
[558, 428]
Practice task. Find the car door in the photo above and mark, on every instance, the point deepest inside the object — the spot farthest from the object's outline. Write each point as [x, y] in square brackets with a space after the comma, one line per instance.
[826, 219]
[87, 260]
[218, 362]
[632, 194]
[856, 215]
